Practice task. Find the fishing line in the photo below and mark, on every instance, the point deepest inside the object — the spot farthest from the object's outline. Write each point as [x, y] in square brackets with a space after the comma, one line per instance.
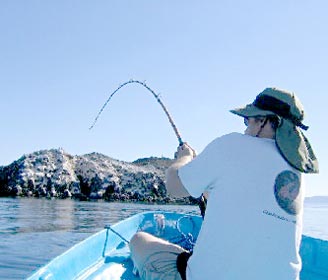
[154, 94]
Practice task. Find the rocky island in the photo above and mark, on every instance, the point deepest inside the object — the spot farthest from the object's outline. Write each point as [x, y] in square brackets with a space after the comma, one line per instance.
[55, 173]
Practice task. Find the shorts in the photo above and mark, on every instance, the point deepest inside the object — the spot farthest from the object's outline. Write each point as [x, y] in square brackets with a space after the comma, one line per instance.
[182, 261]
[157, 259]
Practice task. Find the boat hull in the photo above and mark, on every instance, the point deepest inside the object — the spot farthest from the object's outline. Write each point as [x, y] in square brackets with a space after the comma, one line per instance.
[105, 255]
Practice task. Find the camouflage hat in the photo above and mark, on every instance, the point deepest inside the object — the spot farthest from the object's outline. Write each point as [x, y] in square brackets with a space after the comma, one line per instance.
[290, 140]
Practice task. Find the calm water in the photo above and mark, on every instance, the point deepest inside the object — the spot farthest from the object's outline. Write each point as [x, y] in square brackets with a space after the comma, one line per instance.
[33, 231]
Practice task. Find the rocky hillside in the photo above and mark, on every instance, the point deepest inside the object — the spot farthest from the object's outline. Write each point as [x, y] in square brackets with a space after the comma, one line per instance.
[55, 173]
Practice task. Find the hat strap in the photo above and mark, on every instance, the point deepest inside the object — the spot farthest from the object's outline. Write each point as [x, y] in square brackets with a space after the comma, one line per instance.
[282, 109]
[262, 126]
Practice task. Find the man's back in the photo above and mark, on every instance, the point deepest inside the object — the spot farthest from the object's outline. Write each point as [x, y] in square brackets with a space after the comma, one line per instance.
[253, 219]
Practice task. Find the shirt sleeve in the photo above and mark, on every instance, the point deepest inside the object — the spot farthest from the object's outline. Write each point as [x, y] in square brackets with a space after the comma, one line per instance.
[201, 173]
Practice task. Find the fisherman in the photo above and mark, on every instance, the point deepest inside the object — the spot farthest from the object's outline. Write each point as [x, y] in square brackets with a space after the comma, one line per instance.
[253, 223]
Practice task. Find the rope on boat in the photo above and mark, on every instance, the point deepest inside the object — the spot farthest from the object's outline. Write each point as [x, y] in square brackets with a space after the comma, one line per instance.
[108, 227]
[188, 238]
[154, 94]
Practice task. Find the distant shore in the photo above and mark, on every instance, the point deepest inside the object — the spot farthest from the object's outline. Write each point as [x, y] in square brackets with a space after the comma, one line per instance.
[57, 174]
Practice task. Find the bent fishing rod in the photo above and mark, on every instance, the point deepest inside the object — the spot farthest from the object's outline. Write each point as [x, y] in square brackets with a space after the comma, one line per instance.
[202, 201]
[157, 98]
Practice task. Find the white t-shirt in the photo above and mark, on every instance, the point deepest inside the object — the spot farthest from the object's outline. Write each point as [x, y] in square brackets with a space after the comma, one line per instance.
[253, 223]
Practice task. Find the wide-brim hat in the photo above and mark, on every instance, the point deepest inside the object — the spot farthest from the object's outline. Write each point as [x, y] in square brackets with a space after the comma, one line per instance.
[290, 140]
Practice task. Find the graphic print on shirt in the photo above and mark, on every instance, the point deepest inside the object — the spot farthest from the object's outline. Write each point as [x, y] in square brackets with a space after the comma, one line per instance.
[287, 192]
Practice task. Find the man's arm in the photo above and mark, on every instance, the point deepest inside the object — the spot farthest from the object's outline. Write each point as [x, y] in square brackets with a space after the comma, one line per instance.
[174, 185]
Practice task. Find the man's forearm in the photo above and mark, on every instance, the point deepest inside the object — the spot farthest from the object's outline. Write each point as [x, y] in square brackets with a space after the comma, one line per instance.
[174, 185]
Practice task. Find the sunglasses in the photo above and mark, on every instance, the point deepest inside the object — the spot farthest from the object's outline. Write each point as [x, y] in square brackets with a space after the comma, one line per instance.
[246, 121]
[257, 119]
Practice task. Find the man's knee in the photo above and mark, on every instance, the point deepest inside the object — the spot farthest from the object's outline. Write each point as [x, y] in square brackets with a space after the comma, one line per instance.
[139, 249]
[138, 239]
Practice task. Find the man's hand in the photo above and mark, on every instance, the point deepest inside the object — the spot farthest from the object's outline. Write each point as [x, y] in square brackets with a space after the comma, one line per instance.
[184, 150]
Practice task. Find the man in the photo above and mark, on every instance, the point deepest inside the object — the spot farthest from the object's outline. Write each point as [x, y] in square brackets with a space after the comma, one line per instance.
[253, 223]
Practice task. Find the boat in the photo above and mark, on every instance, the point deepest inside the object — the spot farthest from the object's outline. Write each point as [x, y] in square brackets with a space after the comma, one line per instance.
[106, 255]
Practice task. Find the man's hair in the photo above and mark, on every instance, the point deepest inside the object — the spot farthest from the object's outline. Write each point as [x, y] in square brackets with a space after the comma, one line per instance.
[274, 121]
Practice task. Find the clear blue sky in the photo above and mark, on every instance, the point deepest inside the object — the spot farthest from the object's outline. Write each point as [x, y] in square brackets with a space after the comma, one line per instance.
[60, 60]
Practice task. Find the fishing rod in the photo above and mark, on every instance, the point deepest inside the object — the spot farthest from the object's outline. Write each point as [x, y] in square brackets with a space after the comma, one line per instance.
[157, 98]
[201, 200]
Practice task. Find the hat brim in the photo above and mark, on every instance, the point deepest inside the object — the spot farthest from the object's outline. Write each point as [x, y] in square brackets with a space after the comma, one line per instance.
[295, 147]
[251, 111]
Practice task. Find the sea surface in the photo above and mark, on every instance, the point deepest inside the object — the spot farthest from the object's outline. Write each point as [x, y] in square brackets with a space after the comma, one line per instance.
[34, 231]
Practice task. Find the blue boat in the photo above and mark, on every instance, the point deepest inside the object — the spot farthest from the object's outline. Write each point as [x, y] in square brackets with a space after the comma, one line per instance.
[106, 255]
